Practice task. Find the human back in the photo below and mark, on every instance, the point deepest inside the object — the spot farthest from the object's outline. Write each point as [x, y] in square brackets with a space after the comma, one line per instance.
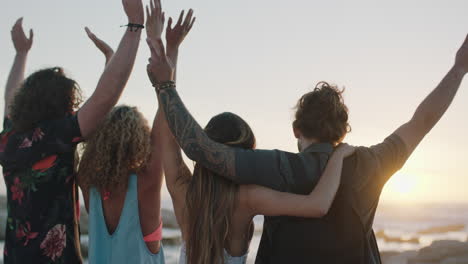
[125, 244]
[345, 234]
[42, 127]
[121, 186]
[217, 226]
[38, 158]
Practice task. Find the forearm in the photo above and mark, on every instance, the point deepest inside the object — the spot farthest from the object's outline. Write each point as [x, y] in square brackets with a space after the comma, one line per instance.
[155, 166]
[15, 79]
[118, 69]
[323, 195]
[173, 54]
[175, 170]
[436, 104]
[110, 85]
[193, 140]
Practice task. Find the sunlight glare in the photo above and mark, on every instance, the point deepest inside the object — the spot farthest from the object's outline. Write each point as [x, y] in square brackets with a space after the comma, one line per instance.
[402, 184]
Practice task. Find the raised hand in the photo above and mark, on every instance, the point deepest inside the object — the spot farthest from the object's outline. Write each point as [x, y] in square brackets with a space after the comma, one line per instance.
[101, 45]
[20, 41]
[160, 68]
[175, 36]
[461, 61]
[155, 19]
[134, 11]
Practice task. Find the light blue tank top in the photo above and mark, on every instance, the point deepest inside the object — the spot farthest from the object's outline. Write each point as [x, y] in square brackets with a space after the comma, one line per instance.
[126, 244]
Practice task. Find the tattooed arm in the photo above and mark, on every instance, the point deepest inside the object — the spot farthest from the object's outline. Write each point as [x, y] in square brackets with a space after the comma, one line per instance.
[192, 139]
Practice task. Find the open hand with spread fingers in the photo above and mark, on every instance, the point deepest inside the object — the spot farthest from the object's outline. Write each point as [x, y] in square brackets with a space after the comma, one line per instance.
[100, 44]
[160, 68]
[22, 43]
[155, 19]
[175, 35]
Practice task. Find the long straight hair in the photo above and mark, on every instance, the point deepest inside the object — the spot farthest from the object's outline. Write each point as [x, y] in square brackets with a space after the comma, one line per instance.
[211, 198]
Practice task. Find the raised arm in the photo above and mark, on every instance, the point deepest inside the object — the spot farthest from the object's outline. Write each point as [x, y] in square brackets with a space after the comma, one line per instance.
[175, 170]
[436, 103]
[101, 45]
[176, 35]
[22, 46]
[116, 74]
[191, 137]
[263, 201]
[154, 27]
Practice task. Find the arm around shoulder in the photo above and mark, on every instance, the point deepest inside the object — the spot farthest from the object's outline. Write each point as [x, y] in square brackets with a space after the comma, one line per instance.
[261, 200]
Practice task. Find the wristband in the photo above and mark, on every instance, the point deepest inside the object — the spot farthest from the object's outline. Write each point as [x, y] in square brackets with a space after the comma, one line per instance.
[164, 85]
[134, 27]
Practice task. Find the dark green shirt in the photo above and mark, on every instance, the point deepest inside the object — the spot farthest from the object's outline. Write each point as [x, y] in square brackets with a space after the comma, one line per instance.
[364, 175]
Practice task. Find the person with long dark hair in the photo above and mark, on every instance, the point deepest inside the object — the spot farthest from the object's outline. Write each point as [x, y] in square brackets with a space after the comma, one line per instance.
[215, 214]
[37, 149]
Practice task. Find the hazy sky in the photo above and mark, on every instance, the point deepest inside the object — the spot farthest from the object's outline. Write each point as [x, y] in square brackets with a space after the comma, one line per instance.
[257, 57]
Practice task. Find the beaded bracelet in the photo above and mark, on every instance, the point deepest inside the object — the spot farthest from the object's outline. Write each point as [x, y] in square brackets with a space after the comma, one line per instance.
[164, 85]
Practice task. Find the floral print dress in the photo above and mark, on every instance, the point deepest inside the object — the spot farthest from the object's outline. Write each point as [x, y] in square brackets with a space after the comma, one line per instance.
[43, 209]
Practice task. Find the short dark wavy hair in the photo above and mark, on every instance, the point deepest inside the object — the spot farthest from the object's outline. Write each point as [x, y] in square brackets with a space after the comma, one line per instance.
[45, 95]
[322, 114]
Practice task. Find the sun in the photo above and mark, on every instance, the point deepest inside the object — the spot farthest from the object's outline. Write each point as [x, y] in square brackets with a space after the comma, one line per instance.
[402, 185]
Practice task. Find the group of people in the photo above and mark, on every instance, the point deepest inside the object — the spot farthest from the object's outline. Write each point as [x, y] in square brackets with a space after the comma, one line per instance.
[319, 204]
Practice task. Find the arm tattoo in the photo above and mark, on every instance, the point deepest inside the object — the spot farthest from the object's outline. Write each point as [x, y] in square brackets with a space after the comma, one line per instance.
[192, 139]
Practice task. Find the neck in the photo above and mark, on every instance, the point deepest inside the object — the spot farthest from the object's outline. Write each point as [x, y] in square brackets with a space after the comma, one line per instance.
[304, 143]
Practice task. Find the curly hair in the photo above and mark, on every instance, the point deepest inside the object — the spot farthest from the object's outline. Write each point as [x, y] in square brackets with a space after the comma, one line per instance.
[120, 146]
[45, 95]
[322, 114]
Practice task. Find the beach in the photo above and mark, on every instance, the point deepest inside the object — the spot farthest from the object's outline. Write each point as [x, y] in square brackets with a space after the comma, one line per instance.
[406, 234]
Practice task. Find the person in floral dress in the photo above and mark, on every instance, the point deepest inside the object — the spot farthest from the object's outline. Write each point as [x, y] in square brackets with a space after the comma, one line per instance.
[37, 147]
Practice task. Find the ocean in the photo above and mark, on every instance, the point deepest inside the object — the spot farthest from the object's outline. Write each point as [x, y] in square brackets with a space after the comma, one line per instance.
[399, 227]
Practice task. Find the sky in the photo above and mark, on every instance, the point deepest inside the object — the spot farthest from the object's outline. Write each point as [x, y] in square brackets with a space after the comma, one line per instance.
[256, 58]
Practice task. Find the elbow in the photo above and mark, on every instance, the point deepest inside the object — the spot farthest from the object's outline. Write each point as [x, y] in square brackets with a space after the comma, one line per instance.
[321, 212]
[193, 152]
[322, 209]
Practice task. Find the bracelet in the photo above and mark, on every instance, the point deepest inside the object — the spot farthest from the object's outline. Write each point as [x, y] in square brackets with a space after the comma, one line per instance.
[164, 85]
[134, 27]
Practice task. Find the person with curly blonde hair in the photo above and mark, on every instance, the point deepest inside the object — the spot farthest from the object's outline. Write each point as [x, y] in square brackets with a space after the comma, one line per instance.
[120, 175]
